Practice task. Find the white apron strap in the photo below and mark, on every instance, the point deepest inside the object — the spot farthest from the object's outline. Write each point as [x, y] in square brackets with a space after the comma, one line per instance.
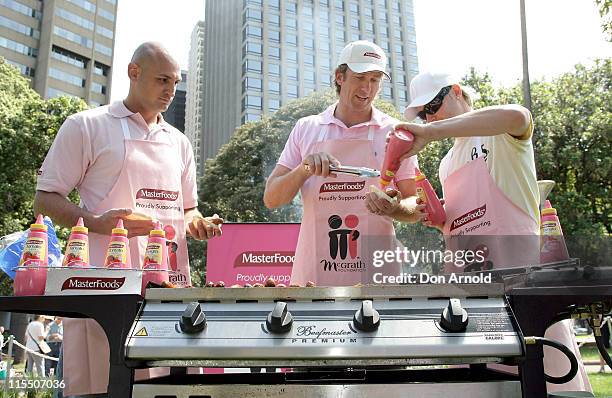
[125, 128]
[322, 133]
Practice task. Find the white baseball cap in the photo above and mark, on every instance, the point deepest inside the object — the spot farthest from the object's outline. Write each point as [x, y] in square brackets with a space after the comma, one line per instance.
[364, 56]
[425, 86]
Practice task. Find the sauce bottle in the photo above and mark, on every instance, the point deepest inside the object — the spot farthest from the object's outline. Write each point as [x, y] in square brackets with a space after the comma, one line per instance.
[77, 249]
[155, 264]
[428, 196]
[118, 250]
[31, 274]
[553, 243]
[399, 143]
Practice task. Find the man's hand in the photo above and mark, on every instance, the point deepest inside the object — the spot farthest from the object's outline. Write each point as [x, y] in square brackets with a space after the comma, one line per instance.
[105, 222]
[381, 206]
[421, 137]
[318, 164]
[202, 228]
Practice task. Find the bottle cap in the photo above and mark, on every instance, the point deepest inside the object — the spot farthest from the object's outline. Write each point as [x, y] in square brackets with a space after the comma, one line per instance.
[417, 174]
[39, 224]
[80, 227]
[157, 231]
[404, 134]
[119, 230]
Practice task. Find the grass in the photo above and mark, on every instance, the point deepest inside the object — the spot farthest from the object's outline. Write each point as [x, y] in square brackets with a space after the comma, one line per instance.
[602, 384]
[589, 353]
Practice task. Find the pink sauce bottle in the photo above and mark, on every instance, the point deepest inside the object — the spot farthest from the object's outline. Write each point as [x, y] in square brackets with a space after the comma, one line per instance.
[31, 274]
[118, 250]
[399, 143]
[77, 249]
[155, 264]
[553, 244]
[428, 196]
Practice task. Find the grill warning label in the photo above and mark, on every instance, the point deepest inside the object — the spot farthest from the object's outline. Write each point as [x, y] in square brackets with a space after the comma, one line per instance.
[142, 332]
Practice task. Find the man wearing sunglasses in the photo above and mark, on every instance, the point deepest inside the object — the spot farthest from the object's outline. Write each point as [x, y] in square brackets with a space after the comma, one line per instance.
[490, 189]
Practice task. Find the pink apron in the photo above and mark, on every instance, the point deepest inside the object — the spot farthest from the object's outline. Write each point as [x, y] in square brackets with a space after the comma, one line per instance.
[338, 233]
[479, 216]
[150, 183]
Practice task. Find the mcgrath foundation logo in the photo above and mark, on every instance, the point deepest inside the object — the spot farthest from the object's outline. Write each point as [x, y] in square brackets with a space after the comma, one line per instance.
[156, 194]
[469, 217]
[342, 244]
[371, 54]
[267, 258]
[355, 186]
[83, 283]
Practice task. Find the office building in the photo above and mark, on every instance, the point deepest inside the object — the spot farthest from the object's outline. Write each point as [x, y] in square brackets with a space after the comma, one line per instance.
[65, 47]
[261, 54]
[175, 114]
[195, 93]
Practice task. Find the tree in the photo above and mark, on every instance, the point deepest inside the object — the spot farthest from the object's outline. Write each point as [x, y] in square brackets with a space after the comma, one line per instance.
[605, 8]
[28, 125]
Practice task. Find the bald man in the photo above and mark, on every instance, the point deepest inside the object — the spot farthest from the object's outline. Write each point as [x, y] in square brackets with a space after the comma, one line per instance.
[123, 158]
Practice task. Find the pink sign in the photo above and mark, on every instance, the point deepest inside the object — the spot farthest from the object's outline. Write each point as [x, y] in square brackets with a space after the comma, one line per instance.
[252, 253]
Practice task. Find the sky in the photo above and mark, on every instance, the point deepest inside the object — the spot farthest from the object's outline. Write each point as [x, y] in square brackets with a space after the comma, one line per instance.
[452, 35]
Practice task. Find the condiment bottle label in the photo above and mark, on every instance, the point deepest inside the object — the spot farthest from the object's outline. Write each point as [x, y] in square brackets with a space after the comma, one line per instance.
[34, 250]
[76, 250]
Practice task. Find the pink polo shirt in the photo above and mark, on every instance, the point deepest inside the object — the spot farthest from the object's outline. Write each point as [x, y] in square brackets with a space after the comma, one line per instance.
[88, 154]
[305, 134]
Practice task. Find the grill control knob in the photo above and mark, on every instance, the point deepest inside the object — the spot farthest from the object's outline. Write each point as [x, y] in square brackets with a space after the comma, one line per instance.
[193, 319]
[366, 319]
[279, 320]
[454, 318]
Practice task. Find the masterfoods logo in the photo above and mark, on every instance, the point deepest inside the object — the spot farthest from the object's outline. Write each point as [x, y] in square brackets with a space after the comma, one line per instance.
[342, 186]
[156, 194]
[469, 217]
[268, 258]
[83, 283]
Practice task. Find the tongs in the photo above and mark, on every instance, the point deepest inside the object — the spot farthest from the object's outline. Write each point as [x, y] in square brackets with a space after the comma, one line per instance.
[356, 171]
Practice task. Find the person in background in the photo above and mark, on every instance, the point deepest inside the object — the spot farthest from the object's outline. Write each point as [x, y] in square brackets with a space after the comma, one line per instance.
[1, 338]
[35, 332]
[605, 335]
[54, 340]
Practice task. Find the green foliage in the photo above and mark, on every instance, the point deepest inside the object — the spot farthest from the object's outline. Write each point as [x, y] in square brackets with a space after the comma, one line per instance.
[28, 125]
[605, 11]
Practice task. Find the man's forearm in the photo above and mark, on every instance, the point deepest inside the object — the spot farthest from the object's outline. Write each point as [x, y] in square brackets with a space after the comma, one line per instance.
[281, 189]
[489, 121]
[61, 210]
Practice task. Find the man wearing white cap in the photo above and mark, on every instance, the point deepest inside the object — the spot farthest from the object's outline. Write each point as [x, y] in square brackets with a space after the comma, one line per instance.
[490, 188]
[337, 218]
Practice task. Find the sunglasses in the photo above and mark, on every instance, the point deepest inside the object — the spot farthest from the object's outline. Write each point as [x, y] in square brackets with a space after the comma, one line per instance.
[434, 105]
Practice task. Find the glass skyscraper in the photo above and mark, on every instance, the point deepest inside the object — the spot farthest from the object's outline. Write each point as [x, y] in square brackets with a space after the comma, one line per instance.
[260, 54]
